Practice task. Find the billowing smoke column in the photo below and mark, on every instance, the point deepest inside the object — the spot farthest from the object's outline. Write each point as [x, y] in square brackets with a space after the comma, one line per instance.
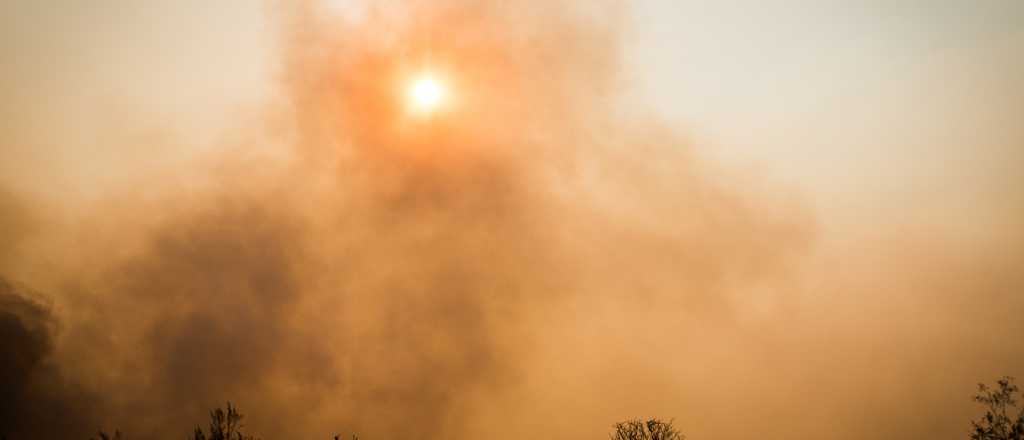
[401, 274]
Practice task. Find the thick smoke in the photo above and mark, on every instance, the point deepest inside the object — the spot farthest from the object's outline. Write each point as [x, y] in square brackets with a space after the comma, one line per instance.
[37, 402]
[534, 261]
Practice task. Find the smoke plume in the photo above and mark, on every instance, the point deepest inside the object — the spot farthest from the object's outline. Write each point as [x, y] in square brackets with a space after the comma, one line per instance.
[538, 259]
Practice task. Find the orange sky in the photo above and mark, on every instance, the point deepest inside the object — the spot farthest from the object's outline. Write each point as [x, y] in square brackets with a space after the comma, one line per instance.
[784, 220]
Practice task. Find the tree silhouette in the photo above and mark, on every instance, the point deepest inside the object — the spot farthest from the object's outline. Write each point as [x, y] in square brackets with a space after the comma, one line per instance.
[999, 421]
[224, 425]
[652, 429]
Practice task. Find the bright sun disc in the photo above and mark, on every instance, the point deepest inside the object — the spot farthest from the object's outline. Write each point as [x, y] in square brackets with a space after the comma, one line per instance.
[426, 93]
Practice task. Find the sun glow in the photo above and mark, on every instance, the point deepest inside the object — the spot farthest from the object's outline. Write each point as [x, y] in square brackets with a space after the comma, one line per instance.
[426, 94]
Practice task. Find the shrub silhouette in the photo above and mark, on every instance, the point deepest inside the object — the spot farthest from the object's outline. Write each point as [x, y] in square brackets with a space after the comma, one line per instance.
[999, 421]
[224, 425]
[652, 429]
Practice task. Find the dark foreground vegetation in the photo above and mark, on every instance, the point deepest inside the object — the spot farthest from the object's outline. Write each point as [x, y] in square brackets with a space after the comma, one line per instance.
[227, 425]
[1002, 420]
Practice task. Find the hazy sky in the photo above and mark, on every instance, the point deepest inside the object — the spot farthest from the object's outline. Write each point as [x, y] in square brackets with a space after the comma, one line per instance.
[911, 108]
[867, 106]
[789, 219]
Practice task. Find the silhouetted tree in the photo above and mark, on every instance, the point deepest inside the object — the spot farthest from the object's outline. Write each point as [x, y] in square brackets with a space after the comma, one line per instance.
[652, 429]
[999, 421]
[224, 425]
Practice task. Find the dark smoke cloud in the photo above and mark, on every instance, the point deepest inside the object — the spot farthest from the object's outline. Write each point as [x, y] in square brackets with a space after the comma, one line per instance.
[37, 401]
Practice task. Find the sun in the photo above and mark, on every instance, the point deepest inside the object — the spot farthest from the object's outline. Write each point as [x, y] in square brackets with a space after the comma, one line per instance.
[426, 93]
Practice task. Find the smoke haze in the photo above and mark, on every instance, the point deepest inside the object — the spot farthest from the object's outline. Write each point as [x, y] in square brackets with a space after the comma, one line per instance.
[542, 258]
